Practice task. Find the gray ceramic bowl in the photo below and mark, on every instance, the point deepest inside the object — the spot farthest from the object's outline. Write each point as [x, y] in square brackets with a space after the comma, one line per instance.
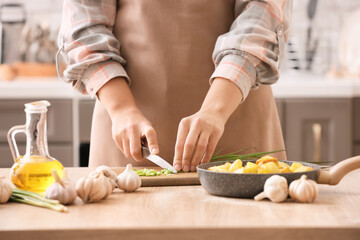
[246, 185]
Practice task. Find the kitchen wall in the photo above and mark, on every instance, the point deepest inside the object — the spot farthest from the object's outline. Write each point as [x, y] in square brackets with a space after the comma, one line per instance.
[34, 40]
[326, 24]
[41, 10]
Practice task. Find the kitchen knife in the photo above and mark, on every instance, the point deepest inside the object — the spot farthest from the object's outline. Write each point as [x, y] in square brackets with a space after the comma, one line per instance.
[156, 159]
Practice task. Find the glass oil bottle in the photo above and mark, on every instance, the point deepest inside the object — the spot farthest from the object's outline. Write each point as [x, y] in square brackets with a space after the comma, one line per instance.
[32, 172]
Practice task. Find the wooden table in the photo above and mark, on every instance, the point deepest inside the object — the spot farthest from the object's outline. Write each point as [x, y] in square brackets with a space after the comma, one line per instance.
[189, 212]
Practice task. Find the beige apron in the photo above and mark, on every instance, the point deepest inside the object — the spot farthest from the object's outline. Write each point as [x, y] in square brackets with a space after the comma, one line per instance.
[168, 46]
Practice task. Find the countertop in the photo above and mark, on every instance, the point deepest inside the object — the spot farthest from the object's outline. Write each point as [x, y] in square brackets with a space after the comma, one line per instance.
[290, 85]
[189, 212]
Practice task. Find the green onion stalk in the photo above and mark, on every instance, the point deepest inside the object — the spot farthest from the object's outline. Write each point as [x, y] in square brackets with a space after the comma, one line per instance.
[235, 155]
[26, 197]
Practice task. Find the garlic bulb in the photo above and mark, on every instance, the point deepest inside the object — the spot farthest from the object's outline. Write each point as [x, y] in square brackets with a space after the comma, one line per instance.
[5, 190]
[94, 187]
[61, 189]
[275, 188]
[303, 190]
[108, 172]
[128, 180]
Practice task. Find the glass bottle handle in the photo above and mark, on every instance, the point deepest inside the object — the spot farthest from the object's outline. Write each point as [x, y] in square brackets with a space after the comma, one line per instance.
[12, 142]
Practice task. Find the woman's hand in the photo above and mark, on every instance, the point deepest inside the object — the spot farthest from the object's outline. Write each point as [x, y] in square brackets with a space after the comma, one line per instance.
[129, 125]
[199, 134]
[197, 138]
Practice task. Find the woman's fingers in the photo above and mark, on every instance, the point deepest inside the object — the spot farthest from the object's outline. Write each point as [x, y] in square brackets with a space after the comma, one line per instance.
[189, 148]
[201, 147]
[179, 145]
[151, 139]
[126, 147]
[197, 138]
[135, 145]
[128, 129]
[213, 140]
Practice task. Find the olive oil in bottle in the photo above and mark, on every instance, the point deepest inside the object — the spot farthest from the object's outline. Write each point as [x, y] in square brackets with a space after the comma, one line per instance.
[32, 172]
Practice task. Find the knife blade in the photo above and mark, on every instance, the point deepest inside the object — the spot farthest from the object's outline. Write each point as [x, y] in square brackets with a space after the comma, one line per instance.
[157, 160]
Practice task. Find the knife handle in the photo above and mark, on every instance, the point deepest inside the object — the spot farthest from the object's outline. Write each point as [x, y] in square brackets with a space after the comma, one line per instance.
[145, 151]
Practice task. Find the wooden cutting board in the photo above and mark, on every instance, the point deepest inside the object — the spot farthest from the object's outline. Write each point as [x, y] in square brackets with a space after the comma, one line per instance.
[178, 179]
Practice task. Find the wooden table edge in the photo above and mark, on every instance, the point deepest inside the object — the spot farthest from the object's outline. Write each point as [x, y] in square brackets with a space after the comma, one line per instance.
[222, 233]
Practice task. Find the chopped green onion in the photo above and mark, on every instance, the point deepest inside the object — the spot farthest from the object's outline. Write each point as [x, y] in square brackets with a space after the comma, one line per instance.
[152, 172]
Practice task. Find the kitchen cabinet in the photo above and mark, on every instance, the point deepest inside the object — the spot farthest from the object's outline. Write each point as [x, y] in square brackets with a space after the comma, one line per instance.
[318, 129]
[356, 150]
[62, 152]
[86, 108]
[59, 129]
[280, 104]
[59, 119]
[356, 126]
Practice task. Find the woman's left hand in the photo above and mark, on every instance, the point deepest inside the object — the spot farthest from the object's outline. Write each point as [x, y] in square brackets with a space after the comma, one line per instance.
[199, 134]
[196, 140]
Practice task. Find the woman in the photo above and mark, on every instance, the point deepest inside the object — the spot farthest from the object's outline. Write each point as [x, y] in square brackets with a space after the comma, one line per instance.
[148, 63]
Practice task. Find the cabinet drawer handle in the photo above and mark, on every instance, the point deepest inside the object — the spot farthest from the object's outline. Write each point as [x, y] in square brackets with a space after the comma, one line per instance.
[316, 128]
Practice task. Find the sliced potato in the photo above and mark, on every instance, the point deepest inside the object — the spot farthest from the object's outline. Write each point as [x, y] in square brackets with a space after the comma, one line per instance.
[250, 168]
[283, 165]
[266, 159]
[221, 168]
[239, 170]
[266, 164]
[285, 170]
[269, 167]
[295, 166]
[303, 169]
[235, 165]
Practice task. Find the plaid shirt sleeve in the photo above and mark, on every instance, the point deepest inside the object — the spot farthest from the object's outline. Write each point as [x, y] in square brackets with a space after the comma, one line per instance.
[251, 52]
[88, 46]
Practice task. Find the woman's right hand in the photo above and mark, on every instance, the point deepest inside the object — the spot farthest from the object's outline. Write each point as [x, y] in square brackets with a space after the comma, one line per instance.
[129, 127]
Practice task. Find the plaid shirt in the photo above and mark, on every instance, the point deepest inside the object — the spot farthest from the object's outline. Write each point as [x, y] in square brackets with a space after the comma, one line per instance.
[248, 55]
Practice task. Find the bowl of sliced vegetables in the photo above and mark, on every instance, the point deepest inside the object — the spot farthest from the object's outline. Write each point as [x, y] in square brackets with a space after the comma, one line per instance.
[246, 178]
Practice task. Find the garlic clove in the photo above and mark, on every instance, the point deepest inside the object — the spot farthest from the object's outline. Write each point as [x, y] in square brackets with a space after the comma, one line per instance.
[5, 190]
[276, 195]
[128, 180]
[108, 172]
[94, 187]
[71, 194]
[303, 190]
[105, 187]
[109, 189]
[54, 191]
[88, 186]
[260, 196]
[62, 190]
[80, 185]
[99, 191]
[275, 188]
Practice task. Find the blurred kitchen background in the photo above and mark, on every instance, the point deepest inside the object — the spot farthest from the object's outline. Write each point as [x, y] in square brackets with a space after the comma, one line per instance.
[318, 94]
